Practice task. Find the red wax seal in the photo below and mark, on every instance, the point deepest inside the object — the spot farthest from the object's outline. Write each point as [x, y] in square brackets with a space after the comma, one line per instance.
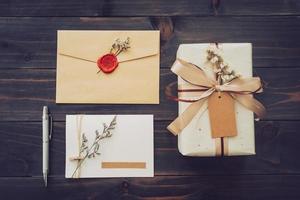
[108, 63]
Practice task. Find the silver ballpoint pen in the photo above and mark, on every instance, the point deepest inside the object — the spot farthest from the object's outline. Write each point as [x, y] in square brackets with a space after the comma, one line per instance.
[47, 132]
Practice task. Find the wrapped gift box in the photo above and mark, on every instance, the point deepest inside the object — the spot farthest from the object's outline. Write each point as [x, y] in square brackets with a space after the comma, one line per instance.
[196, 139]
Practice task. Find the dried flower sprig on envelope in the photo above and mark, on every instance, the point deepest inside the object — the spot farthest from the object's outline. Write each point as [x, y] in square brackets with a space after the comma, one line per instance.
[120, 46]
[93, 150]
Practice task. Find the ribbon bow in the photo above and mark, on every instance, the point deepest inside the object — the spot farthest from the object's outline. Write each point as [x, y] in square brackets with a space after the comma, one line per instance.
[240, 89]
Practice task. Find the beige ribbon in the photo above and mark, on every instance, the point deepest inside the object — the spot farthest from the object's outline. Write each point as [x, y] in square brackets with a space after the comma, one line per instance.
[241, 89]
[78, 158]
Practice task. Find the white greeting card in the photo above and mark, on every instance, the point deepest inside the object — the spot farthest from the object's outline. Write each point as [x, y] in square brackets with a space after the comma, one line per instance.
[109, 146]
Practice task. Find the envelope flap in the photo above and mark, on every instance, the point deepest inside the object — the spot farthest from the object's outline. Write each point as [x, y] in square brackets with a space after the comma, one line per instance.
[91, 45]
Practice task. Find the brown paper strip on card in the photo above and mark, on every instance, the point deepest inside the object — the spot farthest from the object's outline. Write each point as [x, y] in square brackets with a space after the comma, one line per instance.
[135, 165]
[222, 115]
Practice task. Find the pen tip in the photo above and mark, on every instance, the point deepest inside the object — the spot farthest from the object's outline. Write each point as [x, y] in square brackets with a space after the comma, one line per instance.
[45, 109]
[45, 180]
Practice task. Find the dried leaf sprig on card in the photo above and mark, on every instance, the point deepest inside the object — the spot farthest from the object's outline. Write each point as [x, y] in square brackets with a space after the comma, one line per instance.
[222, 70]
[93, 151]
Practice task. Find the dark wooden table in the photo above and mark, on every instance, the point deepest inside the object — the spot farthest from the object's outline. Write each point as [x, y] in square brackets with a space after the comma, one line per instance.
[27, 82]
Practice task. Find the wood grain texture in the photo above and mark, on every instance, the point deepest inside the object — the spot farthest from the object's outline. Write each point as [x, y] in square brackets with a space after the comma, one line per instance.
[275, 187]
[105, 8]
[148, 8]
[23, 92]
[31, 42]
[276, 144]
[275, 39]
[257, 7]
[27, 82]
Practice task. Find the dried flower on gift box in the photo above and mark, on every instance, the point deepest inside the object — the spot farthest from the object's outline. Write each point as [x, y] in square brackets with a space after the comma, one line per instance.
[93, 151]
[222, 70]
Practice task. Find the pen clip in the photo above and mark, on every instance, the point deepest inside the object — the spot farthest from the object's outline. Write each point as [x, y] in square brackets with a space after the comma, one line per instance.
[50, 124]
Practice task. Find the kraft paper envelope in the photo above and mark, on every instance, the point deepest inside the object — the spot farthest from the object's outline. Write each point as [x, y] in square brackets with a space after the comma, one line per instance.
[135, 80]
[127, 153]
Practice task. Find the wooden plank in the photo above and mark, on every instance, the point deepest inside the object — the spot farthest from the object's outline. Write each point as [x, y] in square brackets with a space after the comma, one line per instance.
[23, 92]
[274, 39]
[94, 8]
[277, 144]
[257, 7]
[259, 187]
[31, 42]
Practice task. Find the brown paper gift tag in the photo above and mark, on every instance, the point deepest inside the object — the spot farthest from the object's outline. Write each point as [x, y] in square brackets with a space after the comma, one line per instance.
[222, 115]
